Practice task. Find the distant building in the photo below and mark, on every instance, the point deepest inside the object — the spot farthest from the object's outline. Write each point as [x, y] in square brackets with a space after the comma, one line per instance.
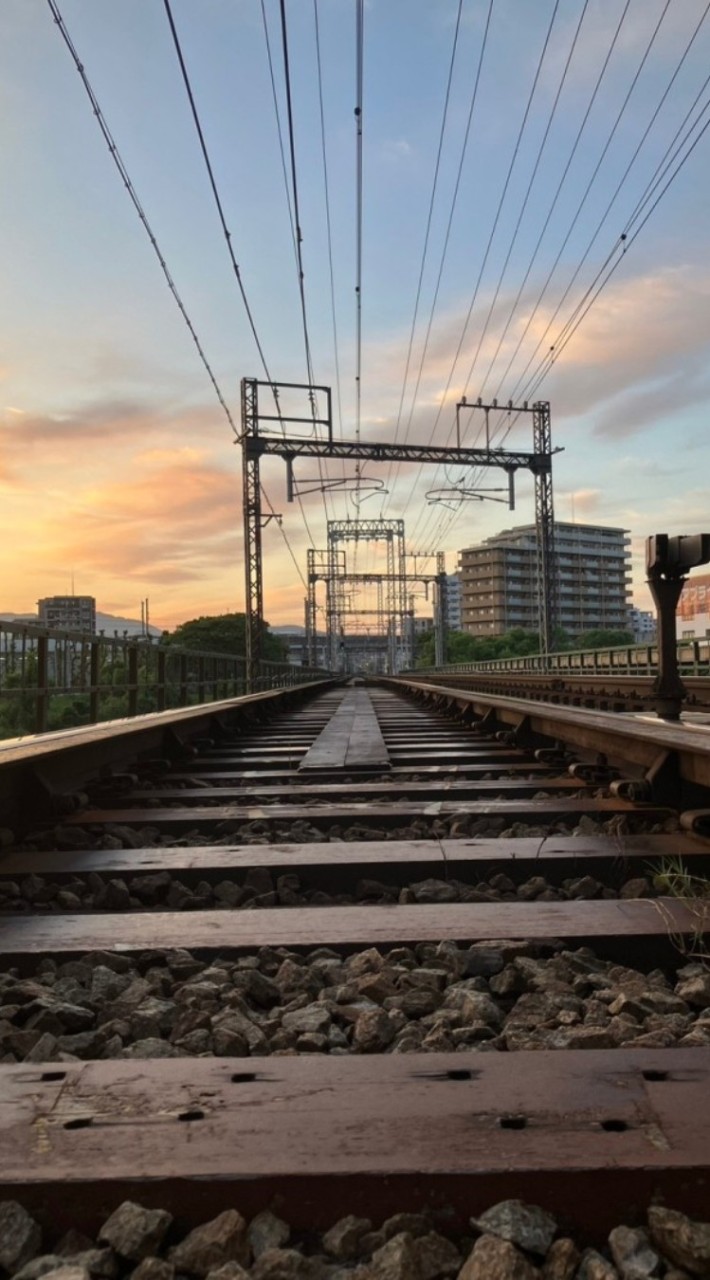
[642, 625]
[68, 613]
[499, 586]
[693, 613]
[453, 601]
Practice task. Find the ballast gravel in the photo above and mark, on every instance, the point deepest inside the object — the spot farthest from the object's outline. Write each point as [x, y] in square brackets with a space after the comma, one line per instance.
[260, 888]
[509, 1241]
[266, 830]
[500, 996]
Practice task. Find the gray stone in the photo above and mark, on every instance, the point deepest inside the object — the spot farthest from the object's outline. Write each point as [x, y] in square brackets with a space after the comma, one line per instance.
[417, 1224]
[483, 961]
[20, 1235]
[224, 1239]
[594, 1267]
[41, 1266]
[682, 1241]
[314, 1017]
[69, 1271]
[104, 1263]
[45, 1049]
[344, 1237]
[695, 990]
[396, 1260]
[151, 1048]
[494, 1259]
[135, 1232]
[266, 1231]
[562, 1260]
[229, 1271]
[523, 1224]
[236, 1022]
[434, 891]
[437, 1257]
[286, 1264]
[633, 1254]
[226, 1042]
[155, 1269]
[373, 1031]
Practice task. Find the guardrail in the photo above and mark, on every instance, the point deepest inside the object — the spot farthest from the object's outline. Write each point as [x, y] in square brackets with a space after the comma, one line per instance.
[52, 679]
[693, 659]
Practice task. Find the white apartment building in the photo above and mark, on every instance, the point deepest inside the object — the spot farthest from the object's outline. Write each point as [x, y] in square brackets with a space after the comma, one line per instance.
[499, 580]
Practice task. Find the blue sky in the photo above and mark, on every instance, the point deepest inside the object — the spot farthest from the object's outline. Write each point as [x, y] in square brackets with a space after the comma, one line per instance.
[118, 463]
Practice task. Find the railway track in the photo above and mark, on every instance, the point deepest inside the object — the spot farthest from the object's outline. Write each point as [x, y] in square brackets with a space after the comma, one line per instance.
[352, 966]
[606, 691]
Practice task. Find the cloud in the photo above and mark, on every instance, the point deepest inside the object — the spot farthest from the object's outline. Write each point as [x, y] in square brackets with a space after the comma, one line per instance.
[640, 353]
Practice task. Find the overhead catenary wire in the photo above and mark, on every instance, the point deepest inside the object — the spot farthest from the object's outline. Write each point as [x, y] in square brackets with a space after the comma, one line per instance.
[489, 244]
[623, 245]
[222, 219]
[430, 213]
[208, 164]
[681, 145]
[535, 170]
[359, 87]
[279, 131]
[132, 193]
[133, 196]
[326, 191]
[582, 202]
[517, 393]
[449, 225]
[299, 240]
[359, 75]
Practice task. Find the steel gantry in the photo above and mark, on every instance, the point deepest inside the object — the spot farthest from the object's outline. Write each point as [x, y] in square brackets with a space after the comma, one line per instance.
[259, 440]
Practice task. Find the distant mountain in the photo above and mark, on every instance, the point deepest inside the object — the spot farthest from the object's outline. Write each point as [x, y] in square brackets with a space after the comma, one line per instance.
[106, 622]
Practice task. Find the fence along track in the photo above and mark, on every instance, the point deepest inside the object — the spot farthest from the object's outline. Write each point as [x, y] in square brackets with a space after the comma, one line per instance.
[328, 1107]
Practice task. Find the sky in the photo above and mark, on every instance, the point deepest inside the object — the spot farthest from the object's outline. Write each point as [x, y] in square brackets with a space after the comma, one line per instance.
[119, 469]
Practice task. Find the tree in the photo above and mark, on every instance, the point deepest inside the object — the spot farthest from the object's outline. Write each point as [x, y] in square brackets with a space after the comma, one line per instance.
[603, 638]
[461, 646]
[225, 633]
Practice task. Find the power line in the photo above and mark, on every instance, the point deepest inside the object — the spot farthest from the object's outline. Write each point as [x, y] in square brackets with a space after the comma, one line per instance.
[360, 51]
[427, 232]
[277, 113]
[447, 236]
[299, 244]
[622, 246]
[118, 162]
[432, 198]
[223, 222]
[583, 201]
[491, 236]
[452, 210]
[499, 210]
[205, 155]
[327, 219]
[294, 189]
[523, 207]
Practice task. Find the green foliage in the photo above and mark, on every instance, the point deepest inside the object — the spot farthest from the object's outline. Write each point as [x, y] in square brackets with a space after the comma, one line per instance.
[517, 643]
[225, 633]
[463, 647]
[603, 638]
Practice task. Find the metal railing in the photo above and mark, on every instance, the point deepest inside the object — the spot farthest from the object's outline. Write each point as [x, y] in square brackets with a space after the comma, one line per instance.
[53, 679]
[693, 660]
